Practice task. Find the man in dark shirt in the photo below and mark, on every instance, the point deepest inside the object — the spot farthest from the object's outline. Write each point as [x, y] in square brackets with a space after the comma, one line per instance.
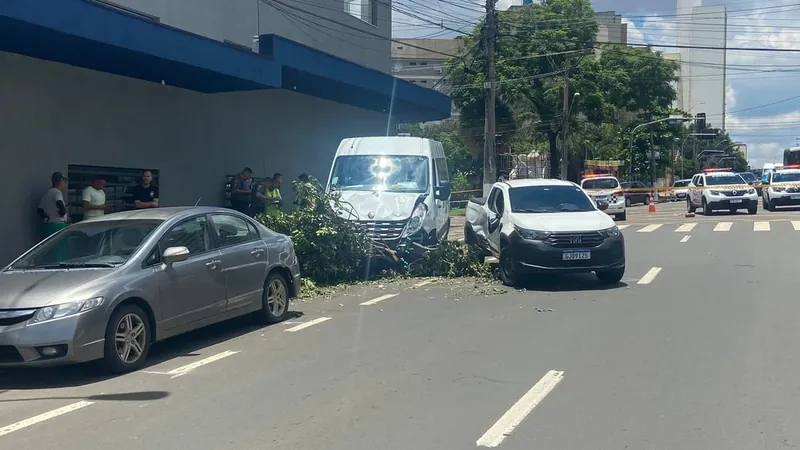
[242, 190]
[145, 195]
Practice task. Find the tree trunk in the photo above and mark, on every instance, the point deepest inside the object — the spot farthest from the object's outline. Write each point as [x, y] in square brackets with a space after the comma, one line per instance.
[555, 156]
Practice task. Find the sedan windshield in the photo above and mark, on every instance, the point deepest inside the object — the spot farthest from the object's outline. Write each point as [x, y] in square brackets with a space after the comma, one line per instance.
[748, 177]
[548, 199]
[90, 244]
[719, 180]
[381, 173]
[681, 183]
[785, 177]
[600, 183]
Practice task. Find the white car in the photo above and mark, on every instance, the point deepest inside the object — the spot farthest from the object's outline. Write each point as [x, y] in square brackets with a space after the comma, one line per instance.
[605, 188]
[680, 189]
[546, 226]
[782, 188]
[717, 189]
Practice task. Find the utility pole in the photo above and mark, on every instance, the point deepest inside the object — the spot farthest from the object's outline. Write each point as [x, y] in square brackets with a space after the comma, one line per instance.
[565, 123]
[489, 150]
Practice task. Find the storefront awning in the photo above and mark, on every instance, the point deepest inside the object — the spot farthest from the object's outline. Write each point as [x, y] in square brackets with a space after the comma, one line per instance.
[89, 35]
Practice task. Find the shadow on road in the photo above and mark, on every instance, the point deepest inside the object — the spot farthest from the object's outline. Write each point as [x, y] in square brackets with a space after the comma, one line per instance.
[566, 283]
[183, 346]
[142, 396]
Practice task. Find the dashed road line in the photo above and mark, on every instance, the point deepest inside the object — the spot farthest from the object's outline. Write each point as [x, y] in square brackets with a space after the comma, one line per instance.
[685, 228]
[796, 225]
[310, 323]
[44, 417]
[378, 299]
[495, 435]
[622, 227]
[760, 226]
[650, 228]
[686, 238]
[723, 226]
[183, 370]
[650, 276]
[423, 283]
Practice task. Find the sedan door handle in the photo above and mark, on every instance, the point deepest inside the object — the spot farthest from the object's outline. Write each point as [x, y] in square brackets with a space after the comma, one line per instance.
[213, 264]
[257, 251]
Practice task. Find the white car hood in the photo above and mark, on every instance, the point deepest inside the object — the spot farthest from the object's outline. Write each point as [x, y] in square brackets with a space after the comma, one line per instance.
[561, 222]
[364, 205]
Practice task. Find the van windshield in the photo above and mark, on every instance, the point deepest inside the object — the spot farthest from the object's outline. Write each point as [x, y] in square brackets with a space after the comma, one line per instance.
[381, 173]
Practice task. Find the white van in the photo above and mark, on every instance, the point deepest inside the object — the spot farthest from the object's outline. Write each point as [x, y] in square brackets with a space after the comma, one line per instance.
[398, 187]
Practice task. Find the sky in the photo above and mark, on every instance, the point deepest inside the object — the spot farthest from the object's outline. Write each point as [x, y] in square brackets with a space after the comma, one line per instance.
[763, 88]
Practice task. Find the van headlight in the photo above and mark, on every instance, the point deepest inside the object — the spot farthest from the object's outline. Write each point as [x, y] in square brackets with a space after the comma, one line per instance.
[65, 309]
[415, 222]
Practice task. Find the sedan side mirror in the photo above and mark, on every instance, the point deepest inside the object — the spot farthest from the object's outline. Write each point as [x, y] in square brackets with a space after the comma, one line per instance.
[602, 205]
[175, 254]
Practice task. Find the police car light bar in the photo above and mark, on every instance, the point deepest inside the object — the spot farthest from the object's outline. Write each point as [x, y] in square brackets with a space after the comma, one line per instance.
[716, 170]
[597, 175]
[796, 166]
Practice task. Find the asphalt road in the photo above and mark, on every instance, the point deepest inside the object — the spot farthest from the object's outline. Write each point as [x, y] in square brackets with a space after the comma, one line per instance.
[696, 349]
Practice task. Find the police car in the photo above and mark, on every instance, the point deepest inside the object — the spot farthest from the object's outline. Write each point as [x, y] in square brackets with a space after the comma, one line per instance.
[718, 189]
[606, 189]
[781, 188]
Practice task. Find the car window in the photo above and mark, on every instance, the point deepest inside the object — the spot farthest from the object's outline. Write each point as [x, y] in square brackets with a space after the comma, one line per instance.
[700, 181]
[231, 230]
[626, 185]
[193, 234]
[640, 185]
[490, 201]
[599, 183]
[442, 175]
[500, 204]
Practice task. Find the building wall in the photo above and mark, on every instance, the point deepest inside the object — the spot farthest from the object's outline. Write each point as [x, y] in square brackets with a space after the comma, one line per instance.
[55, 115]
[238, 21]
[703, 71]
[677, 85]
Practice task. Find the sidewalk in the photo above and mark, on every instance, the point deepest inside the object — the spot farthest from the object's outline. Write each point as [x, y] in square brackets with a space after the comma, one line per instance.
[456, 228]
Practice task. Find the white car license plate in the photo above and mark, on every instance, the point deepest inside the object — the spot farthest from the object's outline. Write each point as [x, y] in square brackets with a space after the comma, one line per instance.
[577, 255]
[736, 200]
[796, 197]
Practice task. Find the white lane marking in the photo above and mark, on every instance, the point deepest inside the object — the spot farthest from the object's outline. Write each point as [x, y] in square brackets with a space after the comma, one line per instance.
[622, 227]
[378, 299]
[650, 228]
[501, 429]
[685, 228]
[650, 276]
[796, 225]
[43, 417]
[183, 370]
[723, 226]
[686, 238]
[761, 226]
[310, 323]
[423, 283]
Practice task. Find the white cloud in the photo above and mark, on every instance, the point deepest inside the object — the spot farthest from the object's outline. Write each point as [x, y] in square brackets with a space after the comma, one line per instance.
[730, 97]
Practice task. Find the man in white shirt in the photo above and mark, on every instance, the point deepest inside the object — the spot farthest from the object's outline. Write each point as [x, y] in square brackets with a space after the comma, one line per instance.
[94, 199]
[52, 208]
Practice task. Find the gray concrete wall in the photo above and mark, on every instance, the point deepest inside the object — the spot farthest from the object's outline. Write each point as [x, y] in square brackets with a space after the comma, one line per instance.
[52, 115]
[238, 21]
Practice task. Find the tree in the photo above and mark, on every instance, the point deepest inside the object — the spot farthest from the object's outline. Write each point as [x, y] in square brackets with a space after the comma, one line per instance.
[463, 165]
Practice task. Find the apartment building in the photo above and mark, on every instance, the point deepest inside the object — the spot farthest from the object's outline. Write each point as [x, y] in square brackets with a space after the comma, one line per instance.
[610, 28]
[422, 62]
[703, 36]
[191, 89]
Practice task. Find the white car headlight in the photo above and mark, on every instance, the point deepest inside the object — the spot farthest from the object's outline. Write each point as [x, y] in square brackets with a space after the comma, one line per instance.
[65, 309]
[415, 222]
[610, 232]
[532, 235]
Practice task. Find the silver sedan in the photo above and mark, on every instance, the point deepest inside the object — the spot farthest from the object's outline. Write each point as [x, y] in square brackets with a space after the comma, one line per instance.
[108, 288]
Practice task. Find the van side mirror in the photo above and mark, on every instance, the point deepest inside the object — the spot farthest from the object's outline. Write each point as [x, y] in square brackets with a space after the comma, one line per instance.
[442, 193]
[175, 254]
[602, 205]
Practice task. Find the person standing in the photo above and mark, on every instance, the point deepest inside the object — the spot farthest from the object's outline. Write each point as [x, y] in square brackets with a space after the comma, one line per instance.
[52, 208]
[273, 198]
[276, 185]
[145, 195]
[258, 204]
[242, 190]
[94, 199]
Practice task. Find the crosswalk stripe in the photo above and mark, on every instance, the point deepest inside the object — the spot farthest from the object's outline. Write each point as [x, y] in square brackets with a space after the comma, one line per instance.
[685, 228]
[650, 228]
[796, 225]
[760, 226]
[622, 227]
[723, 226]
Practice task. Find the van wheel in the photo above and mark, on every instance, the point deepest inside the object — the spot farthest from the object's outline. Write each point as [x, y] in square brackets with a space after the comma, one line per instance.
[621, 216]
[127, 340]
[646, 200]
[508, 268]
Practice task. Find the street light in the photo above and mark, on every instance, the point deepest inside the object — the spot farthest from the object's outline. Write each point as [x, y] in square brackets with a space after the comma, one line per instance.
[673, 118]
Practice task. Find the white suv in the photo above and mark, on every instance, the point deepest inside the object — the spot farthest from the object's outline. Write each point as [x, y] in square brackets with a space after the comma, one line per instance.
[782, 188]
[720, 189]
[605, 188]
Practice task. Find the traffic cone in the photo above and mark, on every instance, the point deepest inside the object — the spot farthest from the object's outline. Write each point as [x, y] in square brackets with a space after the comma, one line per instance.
[652, 208]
